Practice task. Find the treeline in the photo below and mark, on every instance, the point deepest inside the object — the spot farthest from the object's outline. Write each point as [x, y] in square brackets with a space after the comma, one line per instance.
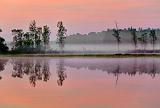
[143, 38]
[35, 40]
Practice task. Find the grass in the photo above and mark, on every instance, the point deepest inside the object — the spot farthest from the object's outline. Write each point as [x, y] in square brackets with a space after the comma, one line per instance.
[81, 55]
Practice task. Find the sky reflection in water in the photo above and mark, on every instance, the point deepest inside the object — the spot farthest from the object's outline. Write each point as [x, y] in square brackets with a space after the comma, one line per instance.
[79, 82]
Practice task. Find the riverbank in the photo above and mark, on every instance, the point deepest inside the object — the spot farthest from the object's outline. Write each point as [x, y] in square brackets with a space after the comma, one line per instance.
[81, 55]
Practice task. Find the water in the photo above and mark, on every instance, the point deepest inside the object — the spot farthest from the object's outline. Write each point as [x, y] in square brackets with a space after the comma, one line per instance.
[79, 82]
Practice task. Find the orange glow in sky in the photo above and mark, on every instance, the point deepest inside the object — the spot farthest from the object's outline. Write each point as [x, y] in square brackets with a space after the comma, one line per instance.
[81, 16]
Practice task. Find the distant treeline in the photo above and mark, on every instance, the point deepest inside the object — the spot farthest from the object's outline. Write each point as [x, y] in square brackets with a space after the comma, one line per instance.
[130, 35]
[37, 39]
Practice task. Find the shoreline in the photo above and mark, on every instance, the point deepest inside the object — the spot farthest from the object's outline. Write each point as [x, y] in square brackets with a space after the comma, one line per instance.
[81, 55]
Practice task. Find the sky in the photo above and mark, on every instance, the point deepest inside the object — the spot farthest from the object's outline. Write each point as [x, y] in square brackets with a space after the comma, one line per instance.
[78, 16]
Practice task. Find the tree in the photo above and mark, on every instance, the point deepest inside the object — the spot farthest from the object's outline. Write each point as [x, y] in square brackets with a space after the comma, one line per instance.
[116, 34]
[134, 37]
[38, 37]
[45, 35]
[3, 45]
[17, 38]
[153, 37]
[35, 33]
[31, 41]
[28, 42]
[143, 40]
[61, 35]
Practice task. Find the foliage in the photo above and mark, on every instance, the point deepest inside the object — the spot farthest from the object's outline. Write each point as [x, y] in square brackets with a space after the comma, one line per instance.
[3, 46]
[61, 35]
[45, 35]
[35, 40]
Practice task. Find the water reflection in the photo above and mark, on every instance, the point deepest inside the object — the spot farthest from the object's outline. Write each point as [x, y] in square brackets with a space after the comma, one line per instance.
[118, 66]
[2, 65]
[34, 69]
[61, 72]
[92, 78]
[39, 69]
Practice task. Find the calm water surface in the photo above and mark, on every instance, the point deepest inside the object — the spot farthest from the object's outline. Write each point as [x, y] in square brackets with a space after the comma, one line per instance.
[79, 82]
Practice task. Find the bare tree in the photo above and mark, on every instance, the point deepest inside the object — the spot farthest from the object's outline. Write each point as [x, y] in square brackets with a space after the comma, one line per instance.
[116, 34]
[134, 37]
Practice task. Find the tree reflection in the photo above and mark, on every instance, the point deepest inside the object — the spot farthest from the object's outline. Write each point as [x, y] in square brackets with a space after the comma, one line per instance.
[154, 68]
[61, 72]
[34, 69]
[39, 70]
[3, 62]
[118, 66]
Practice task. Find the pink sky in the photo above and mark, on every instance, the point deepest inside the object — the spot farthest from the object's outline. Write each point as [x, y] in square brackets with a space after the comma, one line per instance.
[81, 16]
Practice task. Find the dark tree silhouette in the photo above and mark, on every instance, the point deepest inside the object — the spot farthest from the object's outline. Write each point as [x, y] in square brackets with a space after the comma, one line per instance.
[116, 34]
[143, 40]
[46, 38]
[17, 38]
[32, 41]
[61, 35]
[134, 37]
[153, 37]
[36, 33]
[28, 42]
[3, 46]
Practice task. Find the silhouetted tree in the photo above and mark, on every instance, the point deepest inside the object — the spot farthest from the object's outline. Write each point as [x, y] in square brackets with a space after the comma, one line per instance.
[35, 33]
[61, 35]
[153, 37]
[28, 42]
[46, 38]
[17, 38]
[134, 37]
[116, 34]
[3, 45]
[38, 38]
[31, 41]
[143, 40]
